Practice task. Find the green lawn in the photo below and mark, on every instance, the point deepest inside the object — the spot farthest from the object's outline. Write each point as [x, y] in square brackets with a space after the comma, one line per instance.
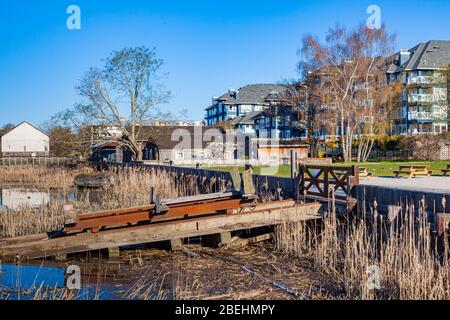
[379, 169]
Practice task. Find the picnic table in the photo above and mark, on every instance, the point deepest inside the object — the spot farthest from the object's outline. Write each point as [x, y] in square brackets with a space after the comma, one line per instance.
[364, 173]
[413, 170]
[445, 171]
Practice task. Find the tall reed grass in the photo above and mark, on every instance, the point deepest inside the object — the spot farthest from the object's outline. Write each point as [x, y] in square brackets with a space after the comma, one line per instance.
[402, 255]
[130, 187]
[38, 176]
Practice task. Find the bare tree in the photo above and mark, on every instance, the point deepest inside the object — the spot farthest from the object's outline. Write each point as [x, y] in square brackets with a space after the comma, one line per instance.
[347, 73]
[6, 128]
[125, 94]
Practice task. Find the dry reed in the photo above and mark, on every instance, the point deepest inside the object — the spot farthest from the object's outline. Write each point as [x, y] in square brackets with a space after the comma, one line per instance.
[130, 187]
[401, 252]
[39, 176]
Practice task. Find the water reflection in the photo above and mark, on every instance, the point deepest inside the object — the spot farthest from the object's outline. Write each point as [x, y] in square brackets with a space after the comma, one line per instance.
[18, 282]
[12, 198]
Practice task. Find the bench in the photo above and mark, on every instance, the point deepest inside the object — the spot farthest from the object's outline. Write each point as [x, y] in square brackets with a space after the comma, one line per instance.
[364, 173]
[445, 171]
[412, 171]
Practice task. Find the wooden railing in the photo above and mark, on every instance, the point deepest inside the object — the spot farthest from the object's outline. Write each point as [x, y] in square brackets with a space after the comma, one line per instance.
[327, 181]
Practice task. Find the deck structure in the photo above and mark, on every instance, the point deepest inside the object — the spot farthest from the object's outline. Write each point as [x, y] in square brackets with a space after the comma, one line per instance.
[216, 214]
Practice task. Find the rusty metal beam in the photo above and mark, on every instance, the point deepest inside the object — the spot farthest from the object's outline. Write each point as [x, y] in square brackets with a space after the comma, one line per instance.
[94, 222]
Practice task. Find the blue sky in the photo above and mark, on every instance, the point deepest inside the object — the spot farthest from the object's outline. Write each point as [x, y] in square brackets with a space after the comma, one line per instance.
[207, 46]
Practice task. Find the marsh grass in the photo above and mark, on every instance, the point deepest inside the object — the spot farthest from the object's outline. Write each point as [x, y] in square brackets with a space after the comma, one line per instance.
[130, 187]
[404, 252]
[38, 176]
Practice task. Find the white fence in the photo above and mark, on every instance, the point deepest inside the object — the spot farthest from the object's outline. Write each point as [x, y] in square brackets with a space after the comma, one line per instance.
[35, 161]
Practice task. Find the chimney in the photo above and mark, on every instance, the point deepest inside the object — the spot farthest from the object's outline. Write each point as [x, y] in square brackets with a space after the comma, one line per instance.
[404, 56]
[233, 93]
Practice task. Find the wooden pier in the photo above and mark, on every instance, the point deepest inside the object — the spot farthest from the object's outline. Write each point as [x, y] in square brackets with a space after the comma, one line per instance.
[177, 220]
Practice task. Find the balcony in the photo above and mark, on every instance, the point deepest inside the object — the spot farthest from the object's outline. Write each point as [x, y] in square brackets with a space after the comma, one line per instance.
[420, 116]
[421, 97]
[426, 80]
[420, 80]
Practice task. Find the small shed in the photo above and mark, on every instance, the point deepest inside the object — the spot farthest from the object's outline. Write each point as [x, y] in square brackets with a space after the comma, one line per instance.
[281, 149]
[25, 140]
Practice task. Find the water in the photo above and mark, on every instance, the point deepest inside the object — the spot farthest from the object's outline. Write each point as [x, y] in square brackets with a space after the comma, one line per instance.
[17, 282]
[13, 198]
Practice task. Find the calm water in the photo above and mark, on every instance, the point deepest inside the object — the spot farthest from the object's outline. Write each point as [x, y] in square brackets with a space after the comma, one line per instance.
[12, 198]
[15, 281]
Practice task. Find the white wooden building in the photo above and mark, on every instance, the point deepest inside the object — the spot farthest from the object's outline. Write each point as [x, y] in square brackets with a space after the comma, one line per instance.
[25, 140]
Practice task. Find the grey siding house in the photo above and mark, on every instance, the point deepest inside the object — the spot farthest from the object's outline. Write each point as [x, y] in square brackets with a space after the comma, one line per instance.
[247, 99]
[423, 71]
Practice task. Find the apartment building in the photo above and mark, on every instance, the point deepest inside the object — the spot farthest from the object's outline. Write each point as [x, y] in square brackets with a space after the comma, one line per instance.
[242, 101]
[423, 71]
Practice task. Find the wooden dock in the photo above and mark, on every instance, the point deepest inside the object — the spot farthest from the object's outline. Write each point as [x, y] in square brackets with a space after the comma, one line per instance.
[258, 215]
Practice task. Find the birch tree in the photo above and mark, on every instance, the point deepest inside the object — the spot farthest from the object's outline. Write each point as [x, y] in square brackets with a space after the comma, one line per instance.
[347, 72]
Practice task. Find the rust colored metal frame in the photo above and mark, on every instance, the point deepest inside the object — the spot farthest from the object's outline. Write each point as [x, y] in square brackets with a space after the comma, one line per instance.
[95, 222]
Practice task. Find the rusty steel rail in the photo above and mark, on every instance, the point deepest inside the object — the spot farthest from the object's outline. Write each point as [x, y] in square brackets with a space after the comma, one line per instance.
[168, 210]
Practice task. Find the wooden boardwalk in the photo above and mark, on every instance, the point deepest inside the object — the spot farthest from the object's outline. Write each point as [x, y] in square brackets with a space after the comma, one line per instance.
[41, 246]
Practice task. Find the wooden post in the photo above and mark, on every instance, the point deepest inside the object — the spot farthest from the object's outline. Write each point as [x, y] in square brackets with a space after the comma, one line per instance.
[225, 238]
[176, 244]
[355, 172]
[61, 257]
[152, 195]
[219, 239]
[326, 182]
[293, 163]
[301, 176]
[114, 253]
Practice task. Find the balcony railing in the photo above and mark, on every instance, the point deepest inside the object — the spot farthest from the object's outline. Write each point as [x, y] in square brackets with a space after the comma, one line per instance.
[426, 80]
[420, 116]
[428, 116]
[421, 97]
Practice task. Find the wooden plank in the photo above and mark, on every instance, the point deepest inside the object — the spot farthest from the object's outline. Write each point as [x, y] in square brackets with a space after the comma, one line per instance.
[158, 232]
[209, 196]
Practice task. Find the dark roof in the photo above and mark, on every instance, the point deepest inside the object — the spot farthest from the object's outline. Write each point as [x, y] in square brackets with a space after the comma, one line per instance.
[255, 94]
[434, 54]
[161, 136]
[30, 125]
[248, 118]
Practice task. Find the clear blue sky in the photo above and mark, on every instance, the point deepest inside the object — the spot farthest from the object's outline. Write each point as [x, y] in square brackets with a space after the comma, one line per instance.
[207, 46]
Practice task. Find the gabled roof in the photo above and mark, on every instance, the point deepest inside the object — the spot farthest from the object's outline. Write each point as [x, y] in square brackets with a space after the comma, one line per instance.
[254, 94]
[29, 123]
[161, 136]
[248, 118]
[431, 55]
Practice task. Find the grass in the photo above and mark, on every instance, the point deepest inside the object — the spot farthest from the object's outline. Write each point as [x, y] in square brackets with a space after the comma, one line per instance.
[379, 169]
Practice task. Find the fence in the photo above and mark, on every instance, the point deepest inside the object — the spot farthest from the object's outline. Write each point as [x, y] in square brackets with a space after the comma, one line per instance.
[309, 181]
[321, 181]
[375, 154]
[44, 161]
